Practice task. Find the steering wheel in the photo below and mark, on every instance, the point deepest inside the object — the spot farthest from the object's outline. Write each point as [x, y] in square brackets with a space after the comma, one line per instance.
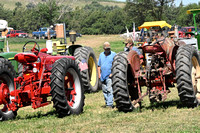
[31, 46]
[158, 41]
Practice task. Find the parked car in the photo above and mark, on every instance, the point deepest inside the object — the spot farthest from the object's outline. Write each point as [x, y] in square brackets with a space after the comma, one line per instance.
[77, 34]
[42, 32]
[16, 33]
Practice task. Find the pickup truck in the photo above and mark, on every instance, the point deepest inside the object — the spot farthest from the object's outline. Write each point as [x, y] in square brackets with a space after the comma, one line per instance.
[42, 33]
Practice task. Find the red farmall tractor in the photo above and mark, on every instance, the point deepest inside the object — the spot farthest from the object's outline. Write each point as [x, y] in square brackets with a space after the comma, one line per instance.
[161, 64]
[43, 75]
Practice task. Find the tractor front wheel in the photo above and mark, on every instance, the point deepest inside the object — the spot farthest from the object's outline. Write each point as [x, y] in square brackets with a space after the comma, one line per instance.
[66, 87]
[188, 75]
[7, 74]
[90, 76]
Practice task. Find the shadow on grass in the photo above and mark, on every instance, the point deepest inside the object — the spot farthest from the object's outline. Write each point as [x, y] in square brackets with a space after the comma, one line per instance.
[165, 105]
[38, 114]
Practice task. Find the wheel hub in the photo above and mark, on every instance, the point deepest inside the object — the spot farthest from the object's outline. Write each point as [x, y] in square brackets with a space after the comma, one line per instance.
[4, 93]
[92, 71]
[196, 77]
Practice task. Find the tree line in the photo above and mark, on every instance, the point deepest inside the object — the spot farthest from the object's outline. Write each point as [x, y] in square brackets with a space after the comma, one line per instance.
[95, 18]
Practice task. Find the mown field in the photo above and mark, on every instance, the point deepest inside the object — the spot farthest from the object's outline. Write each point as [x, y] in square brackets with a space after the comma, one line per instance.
[167, 116]
[10, 4]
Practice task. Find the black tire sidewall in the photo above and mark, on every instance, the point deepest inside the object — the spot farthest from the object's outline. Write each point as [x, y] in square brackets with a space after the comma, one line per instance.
[81, 55]
[183, 74]
[68, 109]
[8, 73]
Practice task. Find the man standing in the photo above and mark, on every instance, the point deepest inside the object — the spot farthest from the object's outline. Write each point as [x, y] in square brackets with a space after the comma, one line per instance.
[129, 46]
[104, 71]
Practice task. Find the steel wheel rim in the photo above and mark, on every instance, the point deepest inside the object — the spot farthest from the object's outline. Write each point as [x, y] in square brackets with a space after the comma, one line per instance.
[3, 79]
[72, 81]
[92, 71]
[196, 77]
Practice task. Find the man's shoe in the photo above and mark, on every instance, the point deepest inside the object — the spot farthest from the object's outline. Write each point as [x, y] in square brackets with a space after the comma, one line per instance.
[110, 106]
[103, 106]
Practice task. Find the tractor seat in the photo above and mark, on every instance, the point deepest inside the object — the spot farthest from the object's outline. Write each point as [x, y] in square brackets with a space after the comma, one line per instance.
[25, 57]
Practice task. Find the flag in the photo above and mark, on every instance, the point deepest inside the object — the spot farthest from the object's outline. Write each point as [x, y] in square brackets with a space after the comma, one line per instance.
[83, 65]
[127, 32]
[142, 33]
[133, 31]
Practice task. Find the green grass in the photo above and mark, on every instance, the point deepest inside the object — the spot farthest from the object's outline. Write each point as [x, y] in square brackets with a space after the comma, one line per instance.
[167, 116]
[16, 44]
[116, 46]
[163, 117]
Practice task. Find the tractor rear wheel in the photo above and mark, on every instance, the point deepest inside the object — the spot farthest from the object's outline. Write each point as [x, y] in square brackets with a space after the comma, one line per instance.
[187, 75]
[66, 87]
[90, 76]
[124, 94]
[7, 74]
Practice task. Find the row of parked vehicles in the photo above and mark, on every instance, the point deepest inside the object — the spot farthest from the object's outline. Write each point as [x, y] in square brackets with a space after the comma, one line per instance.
[41, 33]
[184, 32]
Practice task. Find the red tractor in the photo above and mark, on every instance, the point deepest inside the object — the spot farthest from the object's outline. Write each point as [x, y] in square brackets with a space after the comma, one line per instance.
[161, 64]
[42, 76]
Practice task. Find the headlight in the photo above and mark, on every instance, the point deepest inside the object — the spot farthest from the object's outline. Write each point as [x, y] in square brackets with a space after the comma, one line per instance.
[34, 70]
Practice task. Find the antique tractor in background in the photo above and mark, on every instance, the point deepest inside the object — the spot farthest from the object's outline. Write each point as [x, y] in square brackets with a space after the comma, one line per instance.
[43, 75]
[81, 53]
[162, 64]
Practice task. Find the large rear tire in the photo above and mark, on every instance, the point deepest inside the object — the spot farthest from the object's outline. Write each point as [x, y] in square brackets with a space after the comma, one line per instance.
[187, 69]
[90, 76]
[7, 74]
[123, 94]
[66, 87]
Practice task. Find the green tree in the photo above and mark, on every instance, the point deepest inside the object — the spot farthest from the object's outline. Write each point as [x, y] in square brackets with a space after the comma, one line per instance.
[139, 11]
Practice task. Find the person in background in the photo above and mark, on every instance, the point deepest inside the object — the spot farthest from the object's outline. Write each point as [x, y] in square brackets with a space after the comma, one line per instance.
[104, 70]
[129, 46]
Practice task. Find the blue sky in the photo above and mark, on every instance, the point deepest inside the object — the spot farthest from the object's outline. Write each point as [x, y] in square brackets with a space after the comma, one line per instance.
[177, 2]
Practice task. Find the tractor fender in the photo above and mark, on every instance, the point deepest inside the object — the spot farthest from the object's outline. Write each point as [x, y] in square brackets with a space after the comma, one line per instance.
[10, 57]
[172, 54]
[72, 48]
[134, 61]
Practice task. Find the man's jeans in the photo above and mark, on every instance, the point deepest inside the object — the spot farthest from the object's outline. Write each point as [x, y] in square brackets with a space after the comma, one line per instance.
[108, 91]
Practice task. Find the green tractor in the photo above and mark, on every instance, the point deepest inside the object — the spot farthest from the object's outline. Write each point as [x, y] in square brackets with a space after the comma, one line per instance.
[6, 57]
[197, 35]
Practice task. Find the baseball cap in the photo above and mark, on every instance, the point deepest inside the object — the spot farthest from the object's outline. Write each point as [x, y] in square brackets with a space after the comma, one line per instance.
[106, 45]
[128, 40]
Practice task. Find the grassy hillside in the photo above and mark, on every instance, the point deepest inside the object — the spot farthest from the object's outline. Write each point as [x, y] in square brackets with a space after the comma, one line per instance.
[10, 4]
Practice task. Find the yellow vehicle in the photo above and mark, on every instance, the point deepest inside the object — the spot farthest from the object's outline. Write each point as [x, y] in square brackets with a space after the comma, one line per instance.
[153, 28]
[160, 24]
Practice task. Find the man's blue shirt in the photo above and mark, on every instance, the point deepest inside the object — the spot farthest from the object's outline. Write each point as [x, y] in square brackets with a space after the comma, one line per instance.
[137, 50]
[105, 62]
